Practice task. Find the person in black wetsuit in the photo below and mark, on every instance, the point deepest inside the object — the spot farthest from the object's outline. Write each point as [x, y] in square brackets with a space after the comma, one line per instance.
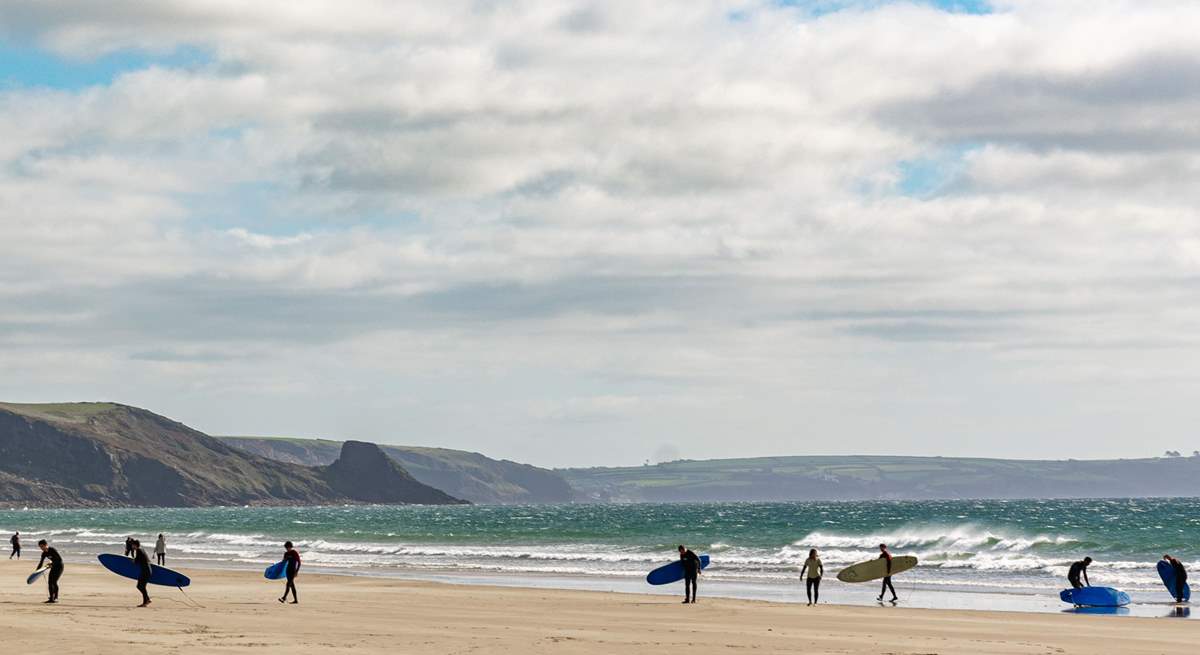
[56, 569]
[16, 544]
[144, 570]
[128, 546]
[1180, 576]
[1077, 569]
[292, 557]
[691, 571]
[887, 579]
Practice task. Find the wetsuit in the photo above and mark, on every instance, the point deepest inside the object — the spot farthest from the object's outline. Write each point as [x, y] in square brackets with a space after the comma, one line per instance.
[16, 544]
[292, 557]
[887, 579]
[1180, 579]
[691, 571]
[128, 546]
[144, 571]
[1077, 569]
[812, 581]
[55, 572]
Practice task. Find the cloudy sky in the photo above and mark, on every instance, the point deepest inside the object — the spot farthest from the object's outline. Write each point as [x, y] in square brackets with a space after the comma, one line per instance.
[578, 233]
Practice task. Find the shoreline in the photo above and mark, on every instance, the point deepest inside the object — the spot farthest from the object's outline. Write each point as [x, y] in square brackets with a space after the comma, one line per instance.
[237, 612]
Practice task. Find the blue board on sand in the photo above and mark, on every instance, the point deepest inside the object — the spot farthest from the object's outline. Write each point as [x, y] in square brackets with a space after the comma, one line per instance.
[1168, 577]
[124, 566]
[276, 570]
[672, 572]
[1095, 597]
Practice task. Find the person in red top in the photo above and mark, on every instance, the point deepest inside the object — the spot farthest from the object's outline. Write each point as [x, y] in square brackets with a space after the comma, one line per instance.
[292, 557]
[887, 580]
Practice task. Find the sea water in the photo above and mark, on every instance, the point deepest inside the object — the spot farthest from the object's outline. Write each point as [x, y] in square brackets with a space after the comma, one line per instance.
[1004, 554]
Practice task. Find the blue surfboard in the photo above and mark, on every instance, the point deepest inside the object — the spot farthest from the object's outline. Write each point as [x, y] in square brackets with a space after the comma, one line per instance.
[125, 567]
[1095, 597]
[276, 571]
[672, 572]
[1168, 577]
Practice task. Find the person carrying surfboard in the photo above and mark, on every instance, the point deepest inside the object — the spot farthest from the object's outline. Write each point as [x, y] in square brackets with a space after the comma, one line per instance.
[812, 582]
[691, 571]
[292, 557]
[1077, 569]
[16, 544]
[144, 570]
[887, 579]
[1180, 577]
[56, 569]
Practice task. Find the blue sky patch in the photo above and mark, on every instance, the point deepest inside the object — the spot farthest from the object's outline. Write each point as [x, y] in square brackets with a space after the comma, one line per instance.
[32, 67]
[928, 176]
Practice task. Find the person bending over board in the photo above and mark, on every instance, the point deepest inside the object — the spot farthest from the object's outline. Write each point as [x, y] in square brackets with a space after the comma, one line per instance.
[1077, 569]
[144, 571]
[887, 579]
[1180, 577]
[16, 544]
[160, 550]
[56, 569]
[292, 557]
[691, 570]
[812, 582]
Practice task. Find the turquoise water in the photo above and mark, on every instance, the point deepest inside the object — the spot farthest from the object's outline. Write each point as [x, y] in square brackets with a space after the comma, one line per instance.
[1020, 547]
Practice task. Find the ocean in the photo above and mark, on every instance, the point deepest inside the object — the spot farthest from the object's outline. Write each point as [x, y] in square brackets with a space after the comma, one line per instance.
[1001, 554]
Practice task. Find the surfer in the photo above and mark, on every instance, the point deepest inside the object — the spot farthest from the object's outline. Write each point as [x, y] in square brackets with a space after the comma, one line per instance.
[1077, 569]
[292, 557]
[56, 568]
[16, 544]
[144, 571]
[691, 571]
[1180, 576]
[812, 582]
[887, 579]
[160, 550]
[128, 546]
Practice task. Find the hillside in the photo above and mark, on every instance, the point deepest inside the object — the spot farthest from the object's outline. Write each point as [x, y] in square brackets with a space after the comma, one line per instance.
[867, 477]
[105, 454]
[462, 474]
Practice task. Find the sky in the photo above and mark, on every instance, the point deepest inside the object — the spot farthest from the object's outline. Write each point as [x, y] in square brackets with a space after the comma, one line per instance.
[599, 233]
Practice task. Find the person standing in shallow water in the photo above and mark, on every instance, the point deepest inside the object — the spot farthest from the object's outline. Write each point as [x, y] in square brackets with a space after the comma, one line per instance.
[812, 582]
[56, 569]
[887, 579]
[160, 550]
[144, 571]
[691, 571]
[292, 557]
[1180, 577]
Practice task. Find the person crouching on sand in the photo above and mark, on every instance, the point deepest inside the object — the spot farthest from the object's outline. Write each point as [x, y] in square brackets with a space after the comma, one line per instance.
[292, 557]
[56, 569]
[1077, 569]
[691, 570]
[812, 582]
[144, 571]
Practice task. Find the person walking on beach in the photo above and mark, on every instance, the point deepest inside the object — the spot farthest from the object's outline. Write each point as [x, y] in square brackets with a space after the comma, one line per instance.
[16, 544]
[160, 550]
[292, 557]
[56, 569]
[128, 546]
[691, 571]
[812, 582]
[1180, 576]
[1077, 569]
[887, 579]
[144, 571]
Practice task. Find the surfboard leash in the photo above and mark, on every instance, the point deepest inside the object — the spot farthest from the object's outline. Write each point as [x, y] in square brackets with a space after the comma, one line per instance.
[190, 600]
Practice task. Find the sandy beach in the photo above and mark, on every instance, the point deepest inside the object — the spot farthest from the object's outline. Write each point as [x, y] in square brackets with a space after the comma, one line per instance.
[238, 613]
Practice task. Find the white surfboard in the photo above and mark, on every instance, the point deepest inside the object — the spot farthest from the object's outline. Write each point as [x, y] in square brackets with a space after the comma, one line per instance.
[37, 574]
[875, 569]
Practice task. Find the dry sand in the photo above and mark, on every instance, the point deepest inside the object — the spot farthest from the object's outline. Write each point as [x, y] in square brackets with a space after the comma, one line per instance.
[370, 615]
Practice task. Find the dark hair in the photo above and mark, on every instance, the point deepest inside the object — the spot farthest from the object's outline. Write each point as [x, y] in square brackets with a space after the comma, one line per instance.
[1088, 560]
[287, 544]
[812, 552]
[883, 545]
[41, 542]
[136, 542]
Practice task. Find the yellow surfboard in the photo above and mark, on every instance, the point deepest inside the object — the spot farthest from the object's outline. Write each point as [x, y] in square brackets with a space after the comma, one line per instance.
[875, 569]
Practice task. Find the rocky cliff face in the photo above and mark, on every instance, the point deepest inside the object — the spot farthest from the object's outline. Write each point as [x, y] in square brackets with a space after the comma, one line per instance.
[103, 454]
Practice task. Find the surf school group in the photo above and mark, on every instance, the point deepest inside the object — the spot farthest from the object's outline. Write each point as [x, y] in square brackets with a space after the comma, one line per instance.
[135, 564]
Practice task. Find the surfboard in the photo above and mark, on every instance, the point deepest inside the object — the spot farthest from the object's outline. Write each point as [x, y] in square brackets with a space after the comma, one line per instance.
[33, 577]
[276, 571]
[1168, 577]
[876, 569]
[1095, 597]
[125, 567]
[672, 572]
